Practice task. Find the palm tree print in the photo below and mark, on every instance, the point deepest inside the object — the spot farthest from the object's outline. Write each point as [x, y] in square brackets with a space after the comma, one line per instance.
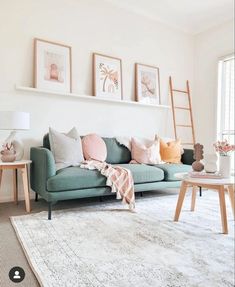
[108, 74]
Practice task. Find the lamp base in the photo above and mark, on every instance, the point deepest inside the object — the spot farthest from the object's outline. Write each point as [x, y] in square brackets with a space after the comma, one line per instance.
[17, 145]
[8, 155]
[19, 149]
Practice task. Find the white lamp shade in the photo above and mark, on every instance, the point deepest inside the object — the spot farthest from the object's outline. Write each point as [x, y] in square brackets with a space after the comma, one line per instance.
[11, 120]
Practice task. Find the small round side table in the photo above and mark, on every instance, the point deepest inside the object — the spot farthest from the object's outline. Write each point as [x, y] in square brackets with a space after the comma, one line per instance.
[14, 166]
[221, 185]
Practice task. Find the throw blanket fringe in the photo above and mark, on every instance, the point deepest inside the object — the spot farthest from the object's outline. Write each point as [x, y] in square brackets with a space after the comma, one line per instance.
[118, 178]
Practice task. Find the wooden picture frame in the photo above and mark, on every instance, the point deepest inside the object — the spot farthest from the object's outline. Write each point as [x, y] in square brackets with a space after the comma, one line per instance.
[52, 66]
[107, 77]
[147, 84]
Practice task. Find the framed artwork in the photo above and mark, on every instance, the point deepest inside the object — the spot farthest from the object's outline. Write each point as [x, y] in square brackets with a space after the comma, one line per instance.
[107, 77]
[147, 84]
[52, 66]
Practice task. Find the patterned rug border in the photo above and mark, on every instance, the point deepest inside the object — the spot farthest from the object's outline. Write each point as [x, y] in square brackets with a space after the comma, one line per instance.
[31, 264]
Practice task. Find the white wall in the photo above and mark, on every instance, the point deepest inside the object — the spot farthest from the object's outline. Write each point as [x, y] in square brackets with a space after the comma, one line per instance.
[88, 26]
[209, 47]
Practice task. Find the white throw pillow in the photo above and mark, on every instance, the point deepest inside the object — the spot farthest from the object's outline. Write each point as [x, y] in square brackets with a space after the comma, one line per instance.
[66, 148]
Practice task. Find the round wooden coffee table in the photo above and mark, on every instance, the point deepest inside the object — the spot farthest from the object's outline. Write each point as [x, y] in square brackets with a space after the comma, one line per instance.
[220, 185]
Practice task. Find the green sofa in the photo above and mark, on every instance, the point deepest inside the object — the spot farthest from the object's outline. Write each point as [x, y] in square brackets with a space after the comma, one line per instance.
[75, 182]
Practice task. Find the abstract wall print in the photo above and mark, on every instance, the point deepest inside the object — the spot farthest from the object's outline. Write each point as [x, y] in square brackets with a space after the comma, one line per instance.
[52, 66]
[147, 84]
[107, 73]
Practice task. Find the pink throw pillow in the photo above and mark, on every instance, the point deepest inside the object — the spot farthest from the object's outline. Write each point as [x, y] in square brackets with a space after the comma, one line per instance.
[145, 154]
[94, 147]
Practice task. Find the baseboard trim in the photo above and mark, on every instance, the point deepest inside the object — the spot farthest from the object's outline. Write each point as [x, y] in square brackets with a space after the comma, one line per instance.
[5, 199]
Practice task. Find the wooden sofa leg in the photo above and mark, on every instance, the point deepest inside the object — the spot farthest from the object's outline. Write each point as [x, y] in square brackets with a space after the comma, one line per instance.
[49, 210]
[36, 196]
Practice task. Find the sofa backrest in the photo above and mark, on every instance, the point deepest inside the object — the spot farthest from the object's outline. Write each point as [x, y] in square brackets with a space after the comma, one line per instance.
[116, 153]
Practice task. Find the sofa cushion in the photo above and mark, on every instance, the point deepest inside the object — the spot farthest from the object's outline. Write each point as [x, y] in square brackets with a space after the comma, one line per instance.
[170, 151]
[171, 169]
[148, 154]
[75, 178]
[144, 173]
[94, 147]
[72, 178]
[66, 148]
[116, 153]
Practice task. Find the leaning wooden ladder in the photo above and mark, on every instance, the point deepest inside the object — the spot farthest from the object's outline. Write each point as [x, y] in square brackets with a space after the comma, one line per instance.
[188, 108]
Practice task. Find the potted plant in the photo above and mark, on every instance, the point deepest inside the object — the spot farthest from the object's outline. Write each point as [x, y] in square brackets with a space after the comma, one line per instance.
[224, 149]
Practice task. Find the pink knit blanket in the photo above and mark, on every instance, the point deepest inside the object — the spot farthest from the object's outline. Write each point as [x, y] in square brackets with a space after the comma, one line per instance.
[118, 178]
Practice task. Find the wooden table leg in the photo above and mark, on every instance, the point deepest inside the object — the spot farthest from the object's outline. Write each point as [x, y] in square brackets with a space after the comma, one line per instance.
[0, 177]
[232, 199]
[182, 193]
[193, 200]
[15, 186]
[26, 187]
[223, 210]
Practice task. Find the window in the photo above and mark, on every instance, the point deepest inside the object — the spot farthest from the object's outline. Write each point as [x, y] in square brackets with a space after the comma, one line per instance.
[225, 112]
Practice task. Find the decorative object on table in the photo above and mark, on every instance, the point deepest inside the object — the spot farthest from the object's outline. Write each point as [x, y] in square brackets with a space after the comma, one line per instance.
[224, 149]
[8, 154]
[198, 156]
[147, 84]
[107, 77]
[12, 120]
[203, 174]
[210, 162]
[52, 66]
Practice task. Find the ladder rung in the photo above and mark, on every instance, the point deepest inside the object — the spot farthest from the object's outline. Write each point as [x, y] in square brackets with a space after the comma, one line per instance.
[186, 126]
[182, 108]
[180, 91]
[187, 143]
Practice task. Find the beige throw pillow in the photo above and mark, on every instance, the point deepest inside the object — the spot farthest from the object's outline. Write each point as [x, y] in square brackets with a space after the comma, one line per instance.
[147, 154]
[66, 148]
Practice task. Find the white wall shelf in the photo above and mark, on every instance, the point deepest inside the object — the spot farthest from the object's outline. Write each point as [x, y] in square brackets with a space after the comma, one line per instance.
[88, 97]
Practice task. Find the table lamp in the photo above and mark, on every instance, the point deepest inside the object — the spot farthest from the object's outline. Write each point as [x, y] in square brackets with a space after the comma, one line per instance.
[12, 120]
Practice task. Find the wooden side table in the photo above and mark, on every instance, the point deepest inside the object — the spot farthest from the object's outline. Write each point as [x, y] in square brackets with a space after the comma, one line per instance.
[220, 185]
[14, 166]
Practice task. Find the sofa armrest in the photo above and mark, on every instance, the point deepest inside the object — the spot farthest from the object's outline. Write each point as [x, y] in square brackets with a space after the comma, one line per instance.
[187, 157]
[42, 168]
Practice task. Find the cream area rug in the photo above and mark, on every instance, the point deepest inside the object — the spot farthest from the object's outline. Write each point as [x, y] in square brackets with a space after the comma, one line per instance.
[105, 245]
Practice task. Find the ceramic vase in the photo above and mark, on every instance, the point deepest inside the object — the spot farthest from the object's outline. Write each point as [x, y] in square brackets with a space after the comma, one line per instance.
[225, 166]
[210, 165]
[197, 166]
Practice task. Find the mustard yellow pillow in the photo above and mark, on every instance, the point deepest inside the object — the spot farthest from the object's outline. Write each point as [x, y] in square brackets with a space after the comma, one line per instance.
[170, 152]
